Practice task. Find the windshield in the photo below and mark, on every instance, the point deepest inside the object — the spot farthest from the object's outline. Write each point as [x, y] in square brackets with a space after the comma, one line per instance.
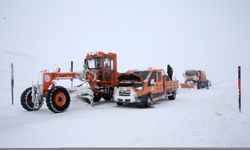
[94, 63]
[130, 83]
[191, 73]
[142, 74]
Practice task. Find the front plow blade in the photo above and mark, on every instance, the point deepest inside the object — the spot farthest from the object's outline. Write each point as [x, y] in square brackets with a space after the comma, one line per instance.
[189, 86]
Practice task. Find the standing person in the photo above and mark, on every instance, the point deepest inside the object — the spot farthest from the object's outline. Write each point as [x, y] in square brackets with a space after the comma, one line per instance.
[170, 72]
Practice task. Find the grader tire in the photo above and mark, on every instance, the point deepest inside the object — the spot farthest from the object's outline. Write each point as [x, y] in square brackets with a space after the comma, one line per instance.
[58, 99]
[107, 98]
[26, 100]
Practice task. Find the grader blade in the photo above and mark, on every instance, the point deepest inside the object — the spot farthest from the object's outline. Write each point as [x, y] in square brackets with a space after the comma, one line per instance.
[83, 92]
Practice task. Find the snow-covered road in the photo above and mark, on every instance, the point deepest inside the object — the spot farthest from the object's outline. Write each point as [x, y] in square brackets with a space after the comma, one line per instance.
[209, 35]
[197, 118]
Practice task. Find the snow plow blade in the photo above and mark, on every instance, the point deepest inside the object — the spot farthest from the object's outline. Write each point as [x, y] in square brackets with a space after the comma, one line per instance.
[189, 86]
[81, 92]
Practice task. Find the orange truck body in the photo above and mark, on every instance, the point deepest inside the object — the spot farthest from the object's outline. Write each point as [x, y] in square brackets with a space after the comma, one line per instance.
[139, 86]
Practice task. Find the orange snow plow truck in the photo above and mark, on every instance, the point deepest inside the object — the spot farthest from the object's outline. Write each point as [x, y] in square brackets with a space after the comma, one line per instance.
[144, 87]
[195, 78]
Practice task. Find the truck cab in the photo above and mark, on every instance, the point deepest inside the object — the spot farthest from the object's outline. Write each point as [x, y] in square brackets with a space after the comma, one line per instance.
[101, 74]
[195, 78]
[191, 76]
[144, 87]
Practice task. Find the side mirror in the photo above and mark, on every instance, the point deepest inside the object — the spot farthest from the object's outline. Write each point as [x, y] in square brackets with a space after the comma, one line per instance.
[152, 82]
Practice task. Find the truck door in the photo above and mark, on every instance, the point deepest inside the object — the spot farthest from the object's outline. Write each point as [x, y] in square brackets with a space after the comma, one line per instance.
[153, 84]
[159, 83]
[112, 72]
[107, 69]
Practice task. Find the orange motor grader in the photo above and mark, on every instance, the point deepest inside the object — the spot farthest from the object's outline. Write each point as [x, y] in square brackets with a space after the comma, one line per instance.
[100, 72]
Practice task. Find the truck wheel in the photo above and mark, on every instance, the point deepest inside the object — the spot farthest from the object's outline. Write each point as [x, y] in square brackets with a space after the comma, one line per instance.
[26, 100]
[209, 83]
[147, 102]
[119, 103]
[207, 86]
[173, 96]
[198, 85]
[58, 99]
[97, 98]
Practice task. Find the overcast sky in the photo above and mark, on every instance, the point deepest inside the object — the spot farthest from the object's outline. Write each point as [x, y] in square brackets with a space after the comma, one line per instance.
[212, 35]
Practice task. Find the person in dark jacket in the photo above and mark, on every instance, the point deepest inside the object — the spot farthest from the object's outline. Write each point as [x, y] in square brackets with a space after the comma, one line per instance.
[170, 72]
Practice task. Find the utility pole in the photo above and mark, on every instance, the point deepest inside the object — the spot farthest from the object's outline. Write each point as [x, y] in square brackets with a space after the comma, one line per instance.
[71, 70]
[239, 86]
[12, 84]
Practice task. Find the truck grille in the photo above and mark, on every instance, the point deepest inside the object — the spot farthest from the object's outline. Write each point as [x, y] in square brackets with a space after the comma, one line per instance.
[124, 92]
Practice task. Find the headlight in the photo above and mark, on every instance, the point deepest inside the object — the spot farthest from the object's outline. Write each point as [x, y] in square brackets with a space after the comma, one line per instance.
[47, 78]
[139, 88]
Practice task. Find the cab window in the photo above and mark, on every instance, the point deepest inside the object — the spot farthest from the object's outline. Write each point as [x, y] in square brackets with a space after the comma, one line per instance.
[152, 78]
[159, 77]
[107, 62]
